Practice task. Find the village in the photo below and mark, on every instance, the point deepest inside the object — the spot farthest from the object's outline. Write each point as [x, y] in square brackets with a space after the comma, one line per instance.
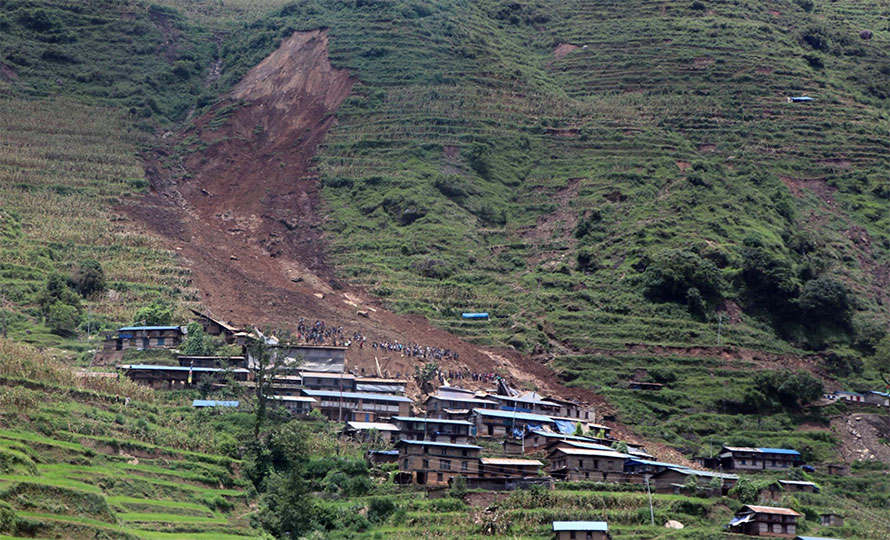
[496, 439]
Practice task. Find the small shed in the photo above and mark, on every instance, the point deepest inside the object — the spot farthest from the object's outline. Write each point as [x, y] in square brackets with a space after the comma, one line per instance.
[765, 521]
[831, 520]
[838, 469]
[581, 530]
[376, 457]
[475, 316]
[642, 385]
[800, 99]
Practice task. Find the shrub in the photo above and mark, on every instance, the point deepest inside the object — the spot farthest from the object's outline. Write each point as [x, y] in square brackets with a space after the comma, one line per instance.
[827, 300]
[62, 319]
[380, 508]
[87, 277]
[158, 313]
[672, 273]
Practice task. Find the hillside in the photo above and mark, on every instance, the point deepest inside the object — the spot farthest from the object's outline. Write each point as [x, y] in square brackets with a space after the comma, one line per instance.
[626, 187]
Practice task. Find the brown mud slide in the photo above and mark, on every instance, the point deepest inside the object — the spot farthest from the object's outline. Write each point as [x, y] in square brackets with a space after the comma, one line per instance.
[243, 210]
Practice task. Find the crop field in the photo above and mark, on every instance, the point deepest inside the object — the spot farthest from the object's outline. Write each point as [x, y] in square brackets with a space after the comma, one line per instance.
[59, 174]
[78, 463]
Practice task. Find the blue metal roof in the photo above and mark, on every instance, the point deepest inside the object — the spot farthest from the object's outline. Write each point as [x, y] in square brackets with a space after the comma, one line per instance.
[474, 315]
[885, 394]
[600, 526]
[181, 368]
[801, 98]
[384, 452]
[654, 463]
[517, 415]
[447, 445]
[213, 403]
[563, 436]
[136, 328]
[357, 395]
[779, 451]
[432, 420]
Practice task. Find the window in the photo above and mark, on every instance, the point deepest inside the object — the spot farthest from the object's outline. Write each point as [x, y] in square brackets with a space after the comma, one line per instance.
[439, 477]
[744, 462]
[426, 450]
[160, 342]
[589, 535]
[572, 535]
[596, 464]
[426, 464]
[465, 465]
[463, 452]
[580, 463]
[445, 464]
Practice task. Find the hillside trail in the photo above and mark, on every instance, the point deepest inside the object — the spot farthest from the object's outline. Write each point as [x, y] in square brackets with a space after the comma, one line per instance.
[244, 213]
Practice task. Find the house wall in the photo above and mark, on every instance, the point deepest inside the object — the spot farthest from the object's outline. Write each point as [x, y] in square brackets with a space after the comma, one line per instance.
[438, 469]
[581, 535]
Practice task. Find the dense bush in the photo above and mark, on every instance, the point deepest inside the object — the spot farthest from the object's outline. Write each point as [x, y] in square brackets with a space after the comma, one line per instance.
[680, 275]
[87, 277]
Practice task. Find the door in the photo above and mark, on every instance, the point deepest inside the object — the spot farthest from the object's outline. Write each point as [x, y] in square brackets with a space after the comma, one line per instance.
[421, 478]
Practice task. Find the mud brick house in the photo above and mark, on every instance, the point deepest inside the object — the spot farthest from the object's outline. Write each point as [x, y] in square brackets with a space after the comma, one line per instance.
[296, 405]
[879, 399]
[179, 376]
[216, 327]
[413, 428]
[733, 458]
[581, 530]
[458, 406]
[499, 424]
[645, 466]
[145, 337]
[358, 406]
[574, 410]
[435, 463]
[767, 521]
[831, 520]
[838, 469]
[674, 479]
[328, 381]
[508, 467]
[587, 464]
[380, 432]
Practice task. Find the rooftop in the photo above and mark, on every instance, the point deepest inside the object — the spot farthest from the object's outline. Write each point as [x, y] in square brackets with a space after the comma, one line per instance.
[431, 420]
[770, 510]
[447, 445]
[213, 403]
[511, 461]
[528, 417]
[379, 426]
[295, 398]
[357, 395]
[152, 367]
[137, 328]
[600, 526]
[591, 452]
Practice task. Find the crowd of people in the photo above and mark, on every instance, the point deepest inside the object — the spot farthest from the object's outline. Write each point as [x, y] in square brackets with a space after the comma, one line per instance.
[323, 334]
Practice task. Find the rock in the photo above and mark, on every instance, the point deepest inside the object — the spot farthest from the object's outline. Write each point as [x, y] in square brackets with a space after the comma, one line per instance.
[866, 34]
[234, 258]
[296, 279]
[319, 295]
[363, 314]
[673, 524]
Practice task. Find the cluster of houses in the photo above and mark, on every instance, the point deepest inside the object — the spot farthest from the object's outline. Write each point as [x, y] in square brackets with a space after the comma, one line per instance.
[436, 440]
[873, 398]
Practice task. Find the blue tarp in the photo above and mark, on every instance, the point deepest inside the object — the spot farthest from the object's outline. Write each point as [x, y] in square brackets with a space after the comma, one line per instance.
[213, 403]
[565, 426]
[801, 98]
[474, 315]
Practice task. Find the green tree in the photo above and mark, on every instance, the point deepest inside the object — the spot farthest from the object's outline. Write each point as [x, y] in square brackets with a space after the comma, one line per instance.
[673, 274]
[56, 290]
[827, 300]
[197, 343]
[63, 319]
[881, 359]
[158, 313]
[424, 375]
[87, 277]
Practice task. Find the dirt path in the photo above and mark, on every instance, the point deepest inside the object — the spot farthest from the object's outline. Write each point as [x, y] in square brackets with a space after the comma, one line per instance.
[243, 213]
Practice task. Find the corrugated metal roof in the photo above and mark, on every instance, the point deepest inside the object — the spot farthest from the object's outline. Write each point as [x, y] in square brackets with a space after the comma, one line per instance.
[655, 463]
[137, 328]
[771, 510]
[561, 436]
[379, 426]
[328, 375]
[511, 461]
[783, 451]
[432, 420]
[357, 395]
[305, 399]
[151, 367]
[591, 446]
[798, 483]
[213, 403]
[528, 417]
[705, 474]
[813, 538]
[448, 445]
[463, 400]
[591, 452]
[599, 526]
